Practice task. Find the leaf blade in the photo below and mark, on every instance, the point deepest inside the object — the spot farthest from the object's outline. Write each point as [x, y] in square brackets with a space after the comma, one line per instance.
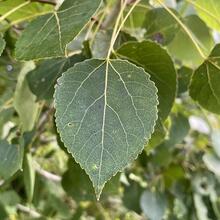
[42, 79]
[204, 86]
[52, 32]
[98, 128]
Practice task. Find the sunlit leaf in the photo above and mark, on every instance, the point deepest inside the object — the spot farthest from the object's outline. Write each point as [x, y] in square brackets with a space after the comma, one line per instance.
[48, 35]
[209, 11]
[20, 10]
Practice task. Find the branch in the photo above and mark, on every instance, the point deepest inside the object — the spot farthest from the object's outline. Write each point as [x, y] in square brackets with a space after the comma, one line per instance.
[28, 210]
[46, 174]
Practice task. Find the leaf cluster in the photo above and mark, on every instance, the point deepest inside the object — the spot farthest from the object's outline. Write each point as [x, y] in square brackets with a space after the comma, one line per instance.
[110, 100]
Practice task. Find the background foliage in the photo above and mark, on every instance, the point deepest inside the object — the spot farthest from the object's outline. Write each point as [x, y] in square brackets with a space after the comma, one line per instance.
[176, 176]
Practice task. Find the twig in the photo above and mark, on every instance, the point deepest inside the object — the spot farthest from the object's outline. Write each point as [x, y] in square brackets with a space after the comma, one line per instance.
[46, 174]
[28, 210]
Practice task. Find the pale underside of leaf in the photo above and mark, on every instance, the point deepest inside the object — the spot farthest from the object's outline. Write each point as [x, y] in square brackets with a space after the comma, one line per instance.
[24, 101]
[105, 112]
[48, 35]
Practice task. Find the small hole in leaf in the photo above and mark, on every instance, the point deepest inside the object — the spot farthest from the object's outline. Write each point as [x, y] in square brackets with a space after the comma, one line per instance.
[70, 124]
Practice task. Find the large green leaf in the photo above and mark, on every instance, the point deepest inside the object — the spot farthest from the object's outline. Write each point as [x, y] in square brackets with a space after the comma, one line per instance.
[48, 35]
[105, 113]
[204, 87]
[209, 11]
[24, 101]
[42, 79]
[156, 61]
[186, 51]
[11, 157]
[2, 45]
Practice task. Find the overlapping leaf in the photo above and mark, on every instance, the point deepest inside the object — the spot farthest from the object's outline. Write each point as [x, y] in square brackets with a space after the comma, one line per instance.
[42, 79]
[48, 35]
[105, 113]
[21, 10]
[186, 51]
[209, 11]
[160, 25]
[204, 87]
[10, 159]
[156, 61]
